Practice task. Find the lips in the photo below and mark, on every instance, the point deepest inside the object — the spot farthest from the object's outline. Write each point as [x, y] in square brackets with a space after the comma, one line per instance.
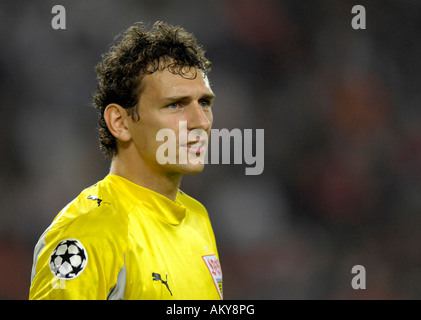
[197, 146]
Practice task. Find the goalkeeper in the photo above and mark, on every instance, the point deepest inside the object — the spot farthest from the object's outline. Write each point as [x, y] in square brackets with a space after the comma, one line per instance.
[134, 234]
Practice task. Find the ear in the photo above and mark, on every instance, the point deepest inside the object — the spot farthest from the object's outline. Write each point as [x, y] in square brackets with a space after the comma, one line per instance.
[116, 118]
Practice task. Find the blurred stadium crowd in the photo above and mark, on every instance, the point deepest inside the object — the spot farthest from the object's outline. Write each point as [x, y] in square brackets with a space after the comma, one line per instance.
[340, 110]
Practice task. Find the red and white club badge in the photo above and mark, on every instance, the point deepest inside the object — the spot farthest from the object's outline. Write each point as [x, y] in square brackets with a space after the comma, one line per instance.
[215, 270]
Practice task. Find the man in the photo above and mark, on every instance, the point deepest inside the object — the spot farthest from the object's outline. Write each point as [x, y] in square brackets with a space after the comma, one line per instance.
[135, 235]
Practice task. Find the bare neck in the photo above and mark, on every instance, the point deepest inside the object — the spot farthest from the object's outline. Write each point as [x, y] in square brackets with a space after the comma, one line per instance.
[147, 176]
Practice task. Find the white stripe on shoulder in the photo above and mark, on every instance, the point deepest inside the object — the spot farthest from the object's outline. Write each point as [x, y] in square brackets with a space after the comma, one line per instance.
[41, 242]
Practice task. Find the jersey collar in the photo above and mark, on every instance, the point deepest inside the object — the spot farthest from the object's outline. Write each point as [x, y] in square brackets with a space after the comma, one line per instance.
[155, 203]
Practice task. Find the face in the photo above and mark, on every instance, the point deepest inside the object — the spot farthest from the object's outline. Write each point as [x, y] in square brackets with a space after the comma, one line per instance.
[179, 110]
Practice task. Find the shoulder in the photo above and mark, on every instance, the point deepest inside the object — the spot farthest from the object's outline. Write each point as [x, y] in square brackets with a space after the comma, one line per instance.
[94, 204]
[94, 216]
[190, 203]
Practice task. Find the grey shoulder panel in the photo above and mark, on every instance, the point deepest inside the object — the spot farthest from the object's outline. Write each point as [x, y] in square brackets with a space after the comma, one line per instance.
[41, 244]
[117, 292]
[38, 248]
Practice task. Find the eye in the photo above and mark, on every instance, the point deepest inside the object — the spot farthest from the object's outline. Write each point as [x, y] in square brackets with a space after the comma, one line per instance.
[174, 105]
[205, 103]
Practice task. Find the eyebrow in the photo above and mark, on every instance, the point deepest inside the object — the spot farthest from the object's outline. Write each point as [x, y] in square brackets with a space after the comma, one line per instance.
[207, 96]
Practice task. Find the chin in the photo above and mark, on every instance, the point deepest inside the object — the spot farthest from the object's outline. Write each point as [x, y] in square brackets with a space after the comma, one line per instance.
[191, 168]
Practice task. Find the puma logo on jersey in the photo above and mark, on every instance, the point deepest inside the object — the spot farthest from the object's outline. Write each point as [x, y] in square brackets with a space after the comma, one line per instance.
[98, 200]
[157, 277]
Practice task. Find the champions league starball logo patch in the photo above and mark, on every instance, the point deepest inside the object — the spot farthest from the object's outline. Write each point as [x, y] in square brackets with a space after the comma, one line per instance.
[68, 259]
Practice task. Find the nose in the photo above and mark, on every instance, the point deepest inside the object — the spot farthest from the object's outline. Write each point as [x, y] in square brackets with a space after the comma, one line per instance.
[199, 118]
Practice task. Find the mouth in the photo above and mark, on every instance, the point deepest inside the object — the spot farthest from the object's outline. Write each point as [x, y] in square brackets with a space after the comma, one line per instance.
[196, 147]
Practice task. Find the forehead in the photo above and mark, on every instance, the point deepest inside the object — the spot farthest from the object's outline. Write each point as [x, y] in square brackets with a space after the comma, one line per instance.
[163, 83]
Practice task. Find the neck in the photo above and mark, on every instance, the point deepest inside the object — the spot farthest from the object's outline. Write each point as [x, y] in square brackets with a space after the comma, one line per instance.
[154, 179]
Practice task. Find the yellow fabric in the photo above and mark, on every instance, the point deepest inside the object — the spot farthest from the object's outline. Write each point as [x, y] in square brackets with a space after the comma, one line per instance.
[166, 249]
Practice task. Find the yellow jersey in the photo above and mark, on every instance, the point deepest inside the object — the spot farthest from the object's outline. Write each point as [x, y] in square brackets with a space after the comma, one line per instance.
[118, 240]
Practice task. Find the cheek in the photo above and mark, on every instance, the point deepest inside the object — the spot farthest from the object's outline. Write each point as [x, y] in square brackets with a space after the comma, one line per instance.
[209, 114]
[180, 130]
[144, 135]
[169, 132]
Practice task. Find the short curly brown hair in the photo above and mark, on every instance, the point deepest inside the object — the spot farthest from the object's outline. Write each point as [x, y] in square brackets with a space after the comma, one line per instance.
[136, 53]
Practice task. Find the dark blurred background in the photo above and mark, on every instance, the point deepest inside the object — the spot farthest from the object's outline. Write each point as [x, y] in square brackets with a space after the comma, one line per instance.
[339, 108]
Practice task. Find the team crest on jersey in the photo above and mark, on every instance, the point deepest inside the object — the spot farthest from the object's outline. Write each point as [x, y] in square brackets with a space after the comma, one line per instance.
[215, 270]
[68, 259]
